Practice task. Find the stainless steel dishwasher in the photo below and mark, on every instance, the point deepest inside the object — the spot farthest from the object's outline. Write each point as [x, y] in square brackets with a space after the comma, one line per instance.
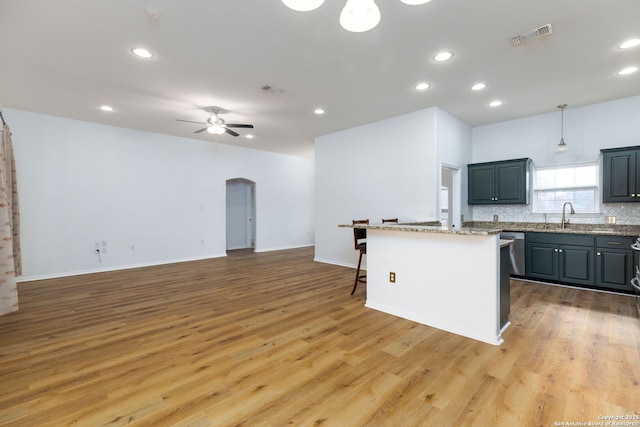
[516, 252]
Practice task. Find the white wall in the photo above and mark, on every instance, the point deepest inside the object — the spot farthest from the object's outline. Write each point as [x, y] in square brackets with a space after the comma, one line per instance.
[386, 169]
[586, 130]
[453, 145]
[152, 198]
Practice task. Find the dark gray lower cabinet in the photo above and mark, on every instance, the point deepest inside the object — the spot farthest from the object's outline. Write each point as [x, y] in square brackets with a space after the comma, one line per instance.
[505, 287]
[580, 259]
[560, 257]
[614, 262]
[541, 260]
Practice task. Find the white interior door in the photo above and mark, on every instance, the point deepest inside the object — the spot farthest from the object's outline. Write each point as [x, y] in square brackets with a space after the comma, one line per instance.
[240, 209]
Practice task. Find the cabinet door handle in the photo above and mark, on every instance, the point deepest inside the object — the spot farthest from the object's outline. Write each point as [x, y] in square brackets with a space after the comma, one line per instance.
[598, 254]
[556, 249]
[560, 250]
[614, 243]
[633, 195]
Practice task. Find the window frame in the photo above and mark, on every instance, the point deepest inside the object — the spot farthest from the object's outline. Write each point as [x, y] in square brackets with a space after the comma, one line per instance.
[597, 204]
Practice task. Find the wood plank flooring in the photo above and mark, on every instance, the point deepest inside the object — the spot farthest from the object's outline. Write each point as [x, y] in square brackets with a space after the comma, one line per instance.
[274, 339]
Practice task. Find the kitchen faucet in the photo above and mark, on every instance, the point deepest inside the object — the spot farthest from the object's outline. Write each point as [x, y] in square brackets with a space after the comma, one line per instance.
[564, 221]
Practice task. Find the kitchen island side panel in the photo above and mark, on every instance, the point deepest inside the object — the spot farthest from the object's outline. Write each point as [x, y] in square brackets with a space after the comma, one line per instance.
[447, 281]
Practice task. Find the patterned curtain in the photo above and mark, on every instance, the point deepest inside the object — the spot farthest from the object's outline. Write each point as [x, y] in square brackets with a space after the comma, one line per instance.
[10, 259]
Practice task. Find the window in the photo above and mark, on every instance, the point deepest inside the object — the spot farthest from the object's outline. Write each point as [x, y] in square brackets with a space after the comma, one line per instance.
[578, 184]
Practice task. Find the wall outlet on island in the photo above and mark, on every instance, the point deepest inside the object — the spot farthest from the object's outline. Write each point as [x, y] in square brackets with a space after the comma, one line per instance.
[392, 277]
[495, 217]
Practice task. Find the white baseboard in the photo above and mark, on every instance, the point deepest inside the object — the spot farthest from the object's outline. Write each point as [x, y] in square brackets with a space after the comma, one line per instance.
[282, 248]
[425, 319]
[341, 264]
[114, 268]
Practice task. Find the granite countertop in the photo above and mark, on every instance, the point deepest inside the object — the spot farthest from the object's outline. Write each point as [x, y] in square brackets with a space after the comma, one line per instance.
[418, 227]
[596, 229]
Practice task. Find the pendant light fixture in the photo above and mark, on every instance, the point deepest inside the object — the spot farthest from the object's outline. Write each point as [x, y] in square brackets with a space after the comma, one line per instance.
[562, 146]
[357, 15]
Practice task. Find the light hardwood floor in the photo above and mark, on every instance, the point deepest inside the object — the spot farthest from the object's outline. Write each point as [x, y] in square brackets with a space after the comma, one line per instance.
[274, 339]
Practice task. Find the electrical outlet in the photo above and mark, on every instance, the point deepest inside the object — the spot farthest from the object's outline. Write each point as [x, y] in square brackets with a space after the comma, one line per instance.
[392, 277]
[495, 217]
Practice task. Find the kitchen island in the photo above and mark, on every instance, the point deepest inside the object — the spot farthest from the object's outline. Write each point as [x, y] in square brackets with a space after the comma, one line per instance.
[442, 277]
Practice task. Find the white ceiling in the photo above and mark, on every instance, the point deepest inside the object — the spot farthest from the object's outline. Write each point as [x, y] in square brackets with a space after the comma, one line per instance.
[68, 57]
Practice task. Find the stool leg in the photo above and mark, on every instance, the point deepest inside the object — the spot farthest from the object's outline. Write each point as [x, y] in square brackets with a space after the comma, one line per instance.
[355, 284]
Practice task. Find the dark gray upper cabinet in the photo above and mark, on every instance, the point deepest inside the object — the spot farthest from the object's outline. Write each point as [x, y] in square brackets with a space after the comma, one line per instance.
[504, 182]
[621, 175]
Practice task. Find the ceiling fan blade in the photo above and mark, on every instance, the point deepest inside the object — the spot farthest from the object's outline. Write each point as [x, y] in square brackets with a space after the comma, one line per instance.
[230, 132]
[234, 125]
[190, 121]
[200, 130]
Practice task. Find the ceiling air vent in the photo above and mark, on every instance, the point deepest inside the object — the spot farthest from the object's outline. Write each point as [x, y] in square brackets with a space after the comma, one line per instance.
[270, 90]
[536, 33]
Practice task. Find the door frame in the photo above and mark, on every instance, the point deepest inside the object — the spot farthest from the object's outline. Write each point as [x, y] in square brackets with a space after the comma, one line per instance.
[249, 203]
[455, 195]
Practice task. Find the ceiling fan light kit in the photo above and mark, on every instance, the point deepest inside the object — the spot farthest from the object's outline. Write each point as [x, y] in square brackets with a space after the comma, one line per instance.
[216, 125]
[303, 5]
[216, 129]
[357, 15]
[415, 2]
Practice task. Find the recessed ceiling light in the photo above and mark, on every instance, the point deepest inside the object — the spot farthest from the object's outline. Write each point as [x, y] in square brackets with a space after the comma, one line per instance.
[422, 86]
[628, 70]
[478, 86]
[248, 136]
[495, 103]
[142, 52]
[107, 108]
[629, 44]
[415, 2]
[319, 111]
[443, 56]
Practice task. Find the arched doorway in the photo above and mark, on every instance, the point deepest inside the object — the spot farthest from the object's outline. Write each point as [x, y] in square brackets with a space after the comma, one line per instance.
[241, 229]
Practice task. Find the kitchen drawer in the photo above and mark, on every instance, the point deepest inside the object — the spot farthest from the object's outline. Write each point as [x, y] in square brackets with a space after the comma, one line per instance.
[561, 239]
[614, 242]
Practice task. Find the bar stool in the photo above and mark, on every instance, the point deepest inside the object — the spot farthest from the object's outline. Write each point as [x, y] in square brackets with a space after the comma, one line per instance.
[394, 220]
[360, 243]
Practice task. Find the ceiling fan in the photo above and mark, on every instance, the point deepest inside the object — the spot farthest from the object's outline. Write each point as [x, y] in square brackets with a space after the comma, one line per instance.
[216, 124]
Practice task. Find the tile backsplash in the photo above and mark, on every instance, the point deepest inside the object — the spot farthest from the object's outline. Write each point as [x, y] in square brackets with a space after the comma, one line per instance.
[624, 213]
